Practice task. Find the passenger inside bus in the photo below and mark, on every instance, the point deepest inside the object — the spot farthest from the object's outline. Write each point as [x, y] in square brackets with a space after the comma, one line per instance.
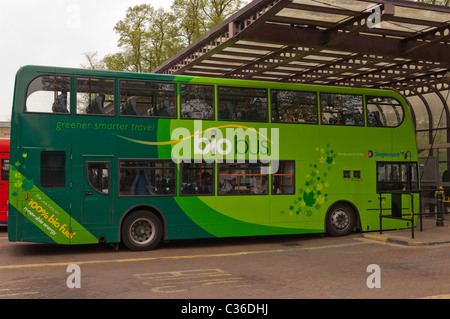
[96, 106]
[207, 185]
[60, 104]
[141, 184]
[226, 183]
[129, 108]
[258, 185]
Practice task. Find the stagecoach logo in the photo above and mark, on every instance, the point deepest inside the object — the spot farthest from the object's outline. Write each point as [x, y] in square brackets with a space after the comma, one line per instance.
[371, 154]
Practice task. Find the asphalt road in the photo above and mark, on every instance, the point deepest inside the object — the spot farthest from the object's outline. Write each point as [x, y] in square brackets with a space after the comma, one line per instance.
[286, 267]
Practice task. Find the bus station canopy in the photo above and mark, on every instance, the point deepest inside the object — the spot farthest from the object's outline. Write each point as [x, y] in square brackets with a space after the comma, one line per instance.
[337, 42]
[328, 42]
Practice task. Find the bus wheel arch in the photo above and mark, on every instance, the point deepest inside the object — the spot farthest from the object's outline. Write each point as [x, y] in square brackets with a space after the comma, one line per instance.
[342, 218]
[142, 228]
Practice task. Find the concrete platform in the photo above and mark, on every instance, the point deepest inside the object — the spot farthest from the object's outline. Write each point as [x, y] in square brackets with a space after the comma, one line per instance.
[430, 234]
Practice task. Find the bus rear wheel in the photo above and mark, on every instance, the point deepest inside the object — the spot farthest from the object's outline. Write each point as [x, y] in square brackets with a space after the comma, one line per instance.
[340, 220]
[142, 230]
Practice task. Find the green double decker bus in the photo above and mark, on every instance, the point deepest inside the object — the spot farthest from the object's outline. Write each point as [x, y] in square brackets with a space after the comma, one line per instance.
[116, 157]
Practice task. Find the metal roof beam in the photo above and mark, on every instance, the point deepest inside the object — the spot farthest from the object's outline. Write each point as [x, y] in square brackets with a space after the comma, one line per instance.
[431, 81]
[326, 42]
[360, 43]
[412, 4]
[415, 45]
[329, 38]
[223, 35]
[406, 70]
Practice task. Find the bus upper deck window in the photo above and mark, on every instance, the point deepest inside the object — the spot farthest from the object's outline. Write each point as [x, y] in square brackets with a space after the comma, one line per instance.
[197, 101]
[49, 94]
[148, 99]
[95, 96]
[242, 104]
[384, 112]
[294, 106]
[342, 109]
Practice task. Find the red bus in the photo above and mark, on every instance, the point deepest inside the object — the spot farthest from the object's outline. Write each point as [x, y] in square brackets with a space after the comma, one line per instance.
[4, 180]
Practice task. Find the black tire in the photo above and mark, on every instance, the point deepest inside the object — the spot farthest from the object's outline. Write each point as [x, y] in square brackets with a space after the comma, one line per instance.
[142, 230]
[340, 220]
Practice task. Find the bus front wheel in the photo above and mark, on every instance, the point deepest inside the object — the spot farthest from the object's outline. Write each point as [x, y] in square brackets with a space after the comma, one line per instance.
[340, 220]
[142, 230]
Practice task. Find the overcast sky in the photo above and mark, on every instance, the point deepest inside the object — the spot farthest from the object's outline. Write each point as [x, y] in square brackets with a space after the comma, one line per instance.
[56, 33]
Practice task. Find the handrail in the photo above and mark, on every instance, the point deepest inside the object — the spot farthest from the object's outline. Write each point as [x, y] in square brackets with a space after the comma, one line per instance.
[440, 197]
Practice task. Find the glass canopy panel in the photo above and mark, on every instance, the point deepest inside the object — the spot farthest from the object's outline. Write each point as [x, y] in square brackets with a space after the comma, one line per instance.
[420, 111]
[311, 15]
[337, 4]
[421, 14]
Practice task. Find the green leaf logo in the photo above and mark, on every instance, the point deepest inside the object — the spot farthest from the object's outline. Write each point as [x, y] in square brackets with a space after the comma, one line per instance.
[309, 199]
[27, 184]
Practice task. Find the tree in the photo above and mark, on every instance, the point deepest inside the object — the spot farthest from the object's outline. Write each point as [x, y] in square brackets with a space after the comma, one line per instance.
[218, 10]
[190, 19]
[118, 62]
[164, 41]
[93, 61]
[148, 37]
[195, 17]
[134, 36]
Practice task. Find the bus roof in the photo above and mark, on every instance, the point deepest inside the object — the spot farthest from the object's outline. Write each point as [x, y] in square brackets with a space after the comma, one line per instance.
[31, 71]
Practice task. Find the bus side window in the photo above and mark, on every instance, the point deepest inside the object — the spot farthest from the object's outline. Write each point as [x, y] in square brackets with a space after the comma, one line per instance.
[95, 96]
[53, 169]
[384, 112]
[342, 109]
[142, 177]
[242, 179]
[148, 99]
[294, 106]
[98, 176]
[49, 94]
[396, 176]
[242, 104]
[197, 101]
[197, 179]
[283, 181]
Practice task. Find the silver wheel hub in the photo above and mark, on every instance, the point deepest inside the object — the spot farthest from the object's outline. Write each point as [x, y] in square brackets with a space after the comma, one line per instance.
[340, 219]
[142, 231]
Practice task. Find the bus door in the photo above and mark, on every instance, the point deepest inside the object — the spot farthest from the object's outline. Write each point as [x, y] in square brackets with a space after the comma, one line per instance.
[97, 193]
[392, 178]
[42, 194]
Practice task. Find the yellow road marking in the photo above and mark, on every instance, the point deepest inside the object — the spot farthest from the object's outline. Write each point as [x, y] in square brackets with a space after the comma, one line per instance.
[375, 237]
[334, 246]
[438, 297]
[139, 259]
[182, 280]
[18, 294]
[128, 260]
[9, 292]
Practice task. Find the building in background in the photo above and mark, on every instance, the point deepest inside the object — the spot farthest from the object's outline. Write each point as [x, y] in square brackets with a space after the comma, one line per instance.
[5, 128]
